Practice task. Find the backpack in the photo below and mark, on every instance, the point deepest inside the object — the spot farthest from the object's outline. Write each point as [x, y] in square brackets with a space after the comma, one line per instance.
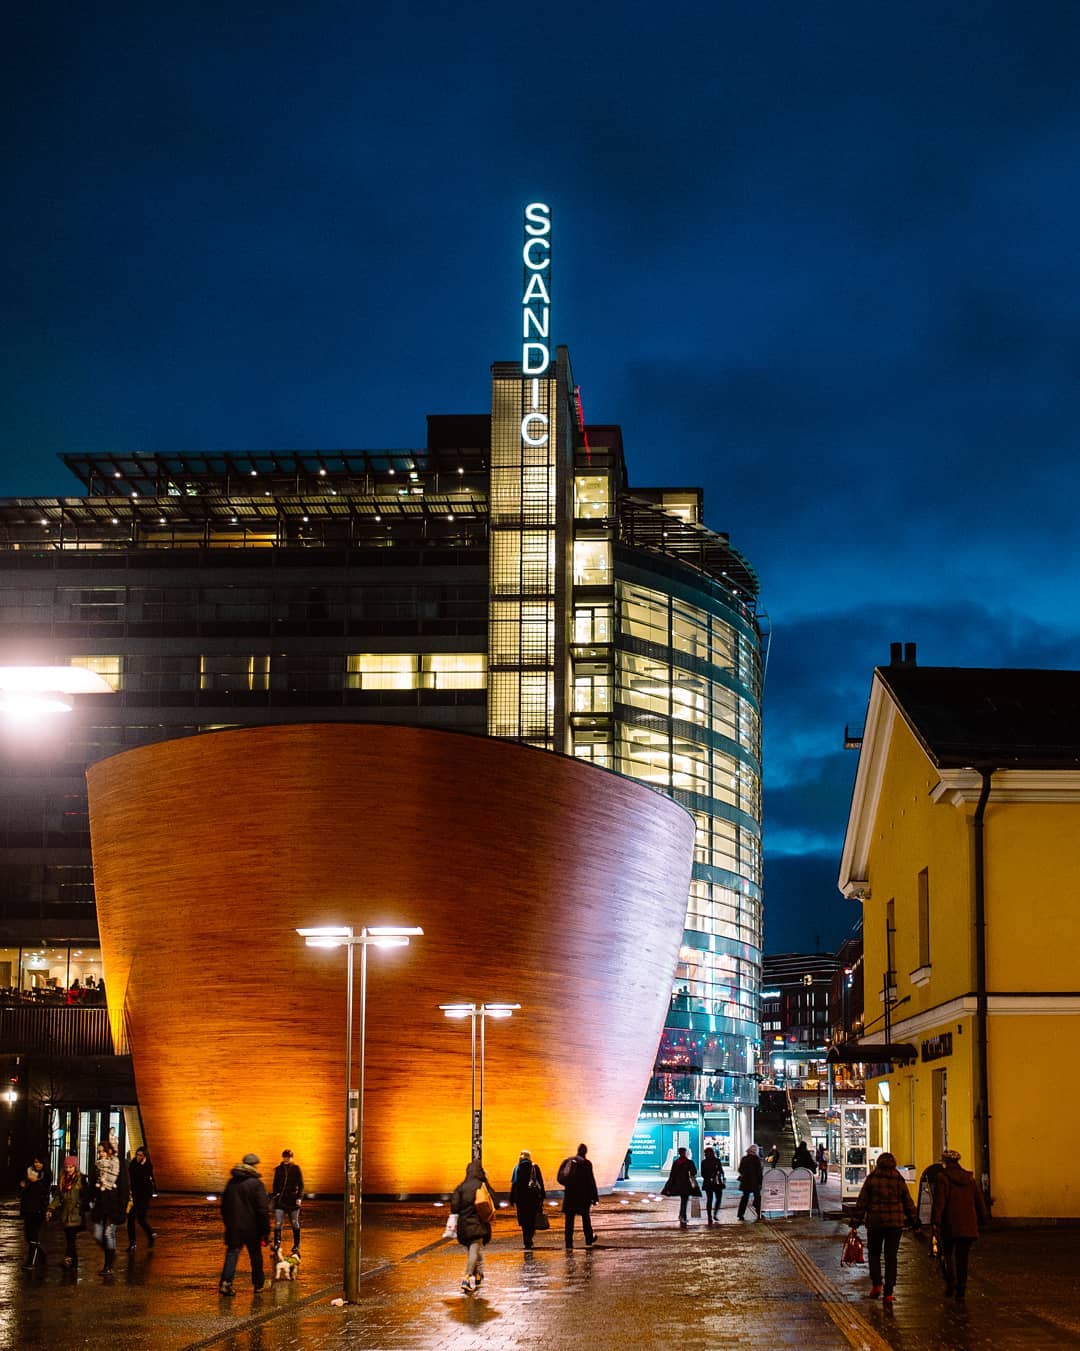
[483, 1204]
[566, 1170]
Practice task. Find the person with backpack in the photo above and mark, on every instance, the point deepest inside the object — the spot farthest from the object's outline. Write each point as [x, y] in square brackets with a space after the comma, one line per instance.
[474, 1205]
[712, 1181]
[527, 1195]
[579, 1193]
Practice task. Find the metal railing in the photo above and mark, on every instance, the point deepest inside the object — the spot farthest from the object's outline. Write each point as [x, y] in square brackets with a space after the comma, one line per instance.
[59, 1030]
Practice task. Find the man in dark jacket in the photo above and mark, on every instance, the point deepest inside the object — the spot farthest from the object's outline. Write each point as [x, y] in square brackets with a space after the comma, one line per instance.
[288, 1193]
[579, 1193]
[245, 1209]
[141, 1173]
[959, 1212]
[750, 1175]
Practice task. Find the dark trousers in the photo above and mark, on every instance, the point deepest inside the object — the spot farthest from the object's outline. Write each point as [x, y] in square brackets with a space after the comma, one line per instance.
[877, 1239]
[744, 1200]
[586, 1225]
[140, 1205]
[232, 1256]
[70, 1251]
[954, 1262]
[713, 1198]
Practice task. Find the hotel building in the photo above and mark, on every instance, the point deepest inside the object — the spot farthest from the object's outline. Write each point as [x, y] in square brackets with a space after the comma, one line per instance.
[504, 580]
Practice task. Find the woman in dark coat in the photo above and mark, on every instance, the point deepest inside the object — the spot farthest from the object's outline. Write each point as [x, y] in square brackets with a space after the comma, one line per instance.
[712, 1179]
[527, 1195]
[141, 1173]
[110, 1193]
[682, 1181]
[33, 1207]
[802, 1158]
[959, 1212]
[885, 1204]
[473, 1233]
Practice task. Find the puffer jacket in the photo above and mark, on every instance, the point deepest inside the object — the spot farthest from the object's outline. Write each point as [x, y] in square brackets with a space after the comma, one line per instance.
[245, 1207]
[959, 1207]
[470, 1226]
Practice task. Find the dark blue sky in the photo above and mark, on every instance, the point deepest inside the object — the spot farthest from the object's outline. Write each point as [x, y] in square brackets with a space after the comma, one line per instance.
[821, 259]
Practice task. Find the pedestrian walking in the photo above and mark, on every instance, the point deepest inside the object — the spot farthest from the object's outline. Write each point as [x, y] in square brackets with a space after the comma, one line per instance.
[473, 1203]
[712, 1180]
[33, 1209]
[821, 1154]
[682, 1182]
[287, 1197]
[245, 1211]
[110, 1200]
[802, 1158]
[527, 1196]
[141, 1176]
[773, 1156]
[579, 1194]
[750, 1175]
[885, 1204]
[69, 1206]
[959, 1212]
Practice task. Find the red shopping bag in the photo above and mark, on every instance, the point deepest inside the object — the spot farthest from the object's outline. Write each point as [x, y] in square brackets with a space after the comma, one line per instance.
[852, 1255]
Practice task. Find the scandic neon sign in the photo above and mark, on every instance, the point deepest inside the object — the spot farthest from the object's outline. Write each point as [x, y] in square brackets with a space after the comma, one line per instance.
[536, 317]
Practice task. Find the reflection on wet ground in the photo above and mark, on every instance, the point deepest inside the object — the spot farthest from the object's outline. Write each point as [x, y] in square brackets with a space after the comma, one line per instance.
[646, 1283]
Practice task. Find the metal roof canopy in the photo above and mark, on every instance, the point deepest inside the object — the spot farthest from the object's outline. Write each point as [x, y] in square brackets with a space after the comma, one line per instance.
[871, 1053]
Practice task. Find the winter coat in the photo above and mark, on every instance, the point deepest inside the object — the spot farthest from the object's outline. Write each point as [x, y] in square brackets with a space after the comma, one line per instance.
[470, 1226]
[802, 1158]
[750, 1173]
[884, 1201]
[34, 1196]
[288, 1188]
[111, 1203]
[579, 1193]
[712, 1172]
[141, 1176]
[528, 1199]
[68, 1205]
[245, 1207]
[682, 1180]
[959, 1206]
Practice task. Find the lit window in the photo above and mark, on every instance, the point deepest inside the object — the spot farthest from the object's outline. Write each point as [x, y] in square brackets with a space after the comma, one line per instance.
[109, 668]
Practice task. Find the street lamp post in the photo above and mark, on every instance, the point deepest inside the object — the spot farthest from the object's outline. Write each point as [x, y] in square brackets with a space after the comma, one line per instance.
[343, 936]
[483, 1012]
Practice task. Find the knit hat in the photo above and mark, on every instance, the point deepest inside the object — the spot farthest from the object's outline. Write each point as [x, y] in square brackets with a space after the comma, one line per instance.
[950, 1156]
[70, 1161]
[250, 1159]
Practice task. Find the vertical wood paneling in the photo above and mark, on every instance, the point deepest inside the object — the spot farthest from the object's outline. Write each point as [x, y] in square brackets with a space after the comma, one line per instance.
[537, 879]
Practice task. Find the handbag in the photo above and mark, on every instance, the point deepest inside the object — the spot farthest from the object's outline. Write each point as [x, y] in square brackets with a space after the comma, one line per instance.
[542, 1221]
[451, 1226]
[852, 1254]
[695, 1207]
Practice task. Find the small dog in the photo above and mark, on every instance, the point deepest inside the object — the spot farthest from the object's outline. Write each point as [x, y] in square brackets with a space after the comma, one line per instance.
[286, 1268]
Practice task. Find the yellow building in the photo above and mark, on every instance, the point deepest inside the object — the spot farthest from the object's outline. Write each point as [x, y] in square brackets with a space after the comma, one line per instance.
[961, 846]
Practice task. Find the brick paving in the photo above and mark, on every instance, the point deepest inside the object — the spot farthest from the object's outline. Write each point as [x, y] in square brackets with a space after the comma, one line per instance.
[647, 1283]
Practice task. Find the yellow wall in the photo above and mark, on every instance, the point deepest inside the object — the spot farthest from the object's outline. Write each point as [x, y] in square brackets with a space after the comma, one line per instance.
[1033, 934]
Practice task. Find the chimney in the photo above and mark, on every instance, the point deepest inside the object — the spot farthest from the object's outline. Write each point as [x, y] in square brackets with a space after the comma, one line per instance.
[894, 654]
[909, 655]
[902, 654]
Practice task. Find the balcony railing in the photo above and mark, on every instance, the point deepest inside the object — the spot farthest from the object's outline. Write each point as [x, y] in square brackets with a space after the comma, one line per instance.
[701, 1086]
[56, 1031]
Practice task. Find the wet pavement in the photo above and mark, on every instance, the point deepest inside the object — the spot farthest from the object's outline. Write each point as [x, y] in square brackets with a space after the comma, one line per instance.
[777, 1284]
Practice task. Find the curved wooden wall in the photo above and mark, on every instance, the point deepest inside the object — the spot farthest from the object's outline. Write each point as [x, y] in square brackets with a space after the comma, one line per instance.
[538, 879]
